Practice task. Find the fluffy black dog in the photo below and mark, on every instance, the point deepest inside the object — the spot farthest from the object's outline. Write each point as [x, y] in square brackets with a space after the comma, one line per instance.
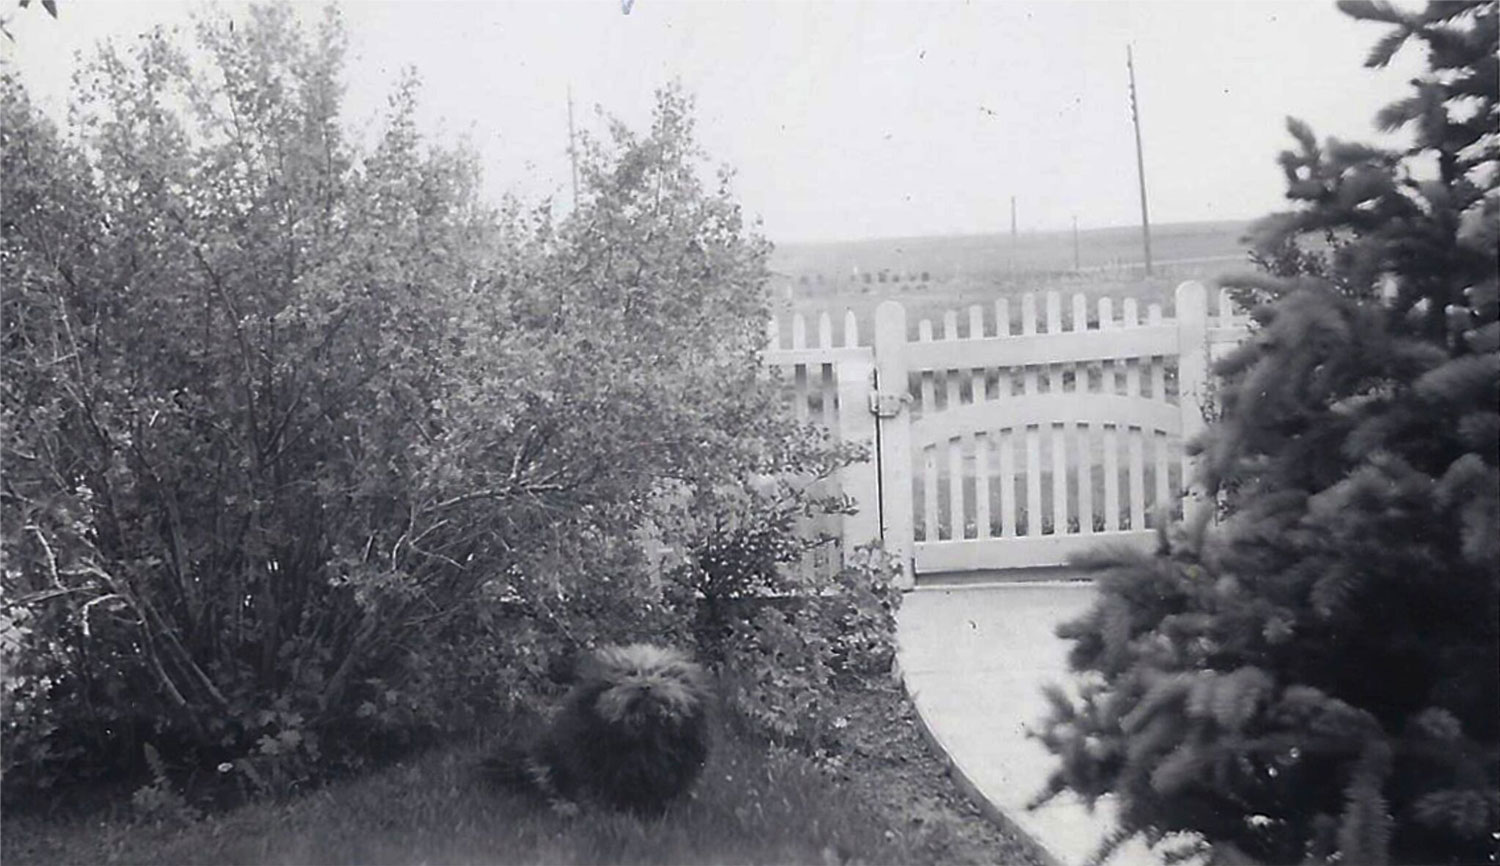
[632, 734]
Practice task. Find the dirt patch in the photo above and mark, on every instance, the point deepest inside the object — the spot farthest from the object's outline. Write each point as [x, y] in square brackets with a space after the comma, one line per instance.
[889, 763]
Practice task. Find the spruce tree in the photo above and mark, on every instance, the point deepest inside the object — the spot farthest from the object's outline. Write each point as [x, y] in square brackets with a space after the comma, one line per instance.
[1313, 677]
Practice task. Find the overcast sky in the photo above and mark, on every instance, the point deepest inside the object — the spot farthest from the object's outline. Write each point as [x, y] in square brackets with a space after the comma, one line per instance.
[855, 119]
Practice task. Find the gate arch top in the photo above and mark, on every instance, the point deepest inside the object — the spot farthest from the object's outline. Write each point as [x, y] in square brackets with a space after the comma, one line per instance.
[1036, 410]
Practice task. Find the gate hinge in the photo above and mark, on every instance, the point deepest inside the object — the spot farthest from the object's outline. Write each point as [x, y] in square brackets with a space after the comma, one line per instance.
[884, 405]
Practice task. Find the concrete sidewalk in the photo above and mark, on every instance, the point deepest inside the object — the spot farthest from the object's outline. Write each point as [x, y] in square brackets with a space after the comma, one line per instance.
[974, 659]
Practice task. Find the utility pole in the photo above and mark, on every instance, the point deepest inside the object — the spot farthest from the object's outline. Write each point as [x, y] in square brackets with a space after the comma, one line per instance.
[572, 146]
[1075, 242]
[1140, 162]
[1012, 232]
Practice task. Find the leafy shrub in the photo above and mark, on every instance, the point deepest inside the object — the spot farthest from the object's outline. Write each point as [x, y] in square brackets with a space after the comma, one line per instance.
[785, 663]
[743, 540]
[782, 637]
[311, 453]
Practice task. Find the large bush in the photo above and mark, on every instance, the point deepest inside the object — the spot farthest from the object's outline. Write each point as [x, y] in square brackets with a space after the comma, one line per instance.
[307, 448]
[1314, 678]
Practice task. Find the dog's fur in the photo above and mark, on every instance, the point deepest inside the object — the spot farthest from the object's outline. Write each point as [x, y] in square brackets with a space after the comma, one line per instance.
[632, 733]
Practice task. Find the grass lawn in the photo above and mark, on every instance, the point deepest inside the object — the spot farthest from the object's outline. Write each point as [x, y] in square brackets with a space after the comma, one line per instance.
[883, 799]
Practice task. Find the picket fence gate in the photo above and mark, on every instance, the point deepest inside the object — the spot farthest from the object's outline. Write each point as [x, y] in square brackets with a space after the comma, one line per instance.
[1020, 440]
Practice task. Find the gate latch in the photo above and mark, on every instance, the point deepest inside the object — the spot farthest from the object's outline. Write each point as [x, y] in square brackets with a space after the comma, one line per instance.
[885, 405]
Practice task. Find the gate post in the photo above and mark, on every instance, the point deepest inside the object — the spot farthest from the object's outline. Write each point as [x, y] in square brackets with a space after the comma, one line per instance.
[860, 481]
[894, 436]
[1192, 389]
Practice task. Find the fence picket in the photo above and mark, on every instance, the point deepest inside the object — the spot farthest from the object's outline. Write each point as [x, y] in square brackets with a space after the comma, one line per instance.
[950, 377]
[1054, 432]
[1054, 326]
[929, 494]
[1033, 481]
[829, 395]
[1029, 384]
[977, 377]
[799, 372]
[1085, 480]
[1156, 365]
[1007, 445]
[832, 405]
[956, 488]
[799, 390]
[1107, 322]
[1135, 484]
[1156, 381]
[1160, 451]
[929, 458]
[1059, 439]
[1192, 382]
[1111, 478]
[1137, 478]
[982, 485]
[1004, 378]
[1083, 475]
[929, 398]
[957, 525]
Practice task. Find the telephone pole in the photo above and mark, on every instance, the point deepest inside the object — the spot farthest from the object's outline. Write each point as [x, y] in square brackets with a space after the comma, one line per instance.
[1075, 242]
[1140, 162]
[1012, 232]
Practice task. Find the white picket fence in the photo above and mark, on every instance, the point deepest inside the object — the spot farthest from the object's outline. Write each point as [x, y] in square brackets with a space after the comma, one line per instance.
[1019, 438]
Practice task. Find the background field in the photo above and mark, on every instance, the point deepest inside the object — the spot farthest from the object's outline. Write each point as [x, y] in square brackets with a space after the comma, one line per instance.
[931, 275]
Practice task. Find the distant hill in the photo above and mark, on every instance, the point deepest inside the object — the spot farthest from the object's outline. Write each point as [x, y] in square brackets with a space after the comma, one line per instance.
[978, 257]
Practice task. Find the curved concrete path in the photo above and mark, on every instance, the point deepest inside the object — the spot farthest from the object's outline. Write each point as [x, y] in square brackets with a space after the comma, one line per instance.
[974, 659]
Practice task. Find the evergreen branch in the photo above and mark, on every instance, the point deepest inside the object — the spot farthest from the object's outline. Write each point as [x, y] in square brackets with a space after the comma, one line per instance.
[1386, 48]
[1373, 10]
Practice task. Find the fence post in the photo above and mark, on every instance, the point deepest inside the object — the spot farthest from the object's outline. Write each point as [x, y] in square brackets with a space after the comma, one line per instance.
[861, 481]
[1192, 387]
[894, 436]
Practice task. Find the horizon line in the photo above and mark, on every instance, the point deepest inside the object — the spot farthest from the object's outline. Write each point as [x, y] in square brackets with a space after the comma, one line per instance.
[1155, 226]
